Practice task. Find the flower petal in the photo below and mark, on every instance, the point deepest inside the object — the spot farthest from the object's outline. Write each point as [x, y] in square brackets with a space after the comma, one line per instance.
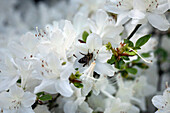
[28, 99]
[136, 14]
[104, 68]
[94, 42]
[101, 17]
[158, 21]
[63, 87]
[158, 101]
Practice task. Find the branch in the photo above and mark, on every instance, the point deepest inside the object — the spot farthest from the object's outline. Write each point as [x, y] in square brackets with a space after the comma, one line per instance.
[134, 31]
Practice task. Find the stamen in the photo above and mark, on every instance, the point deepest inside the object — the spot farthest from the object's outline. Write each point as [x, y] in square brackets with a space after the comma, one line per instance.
[150, 61]
[166, 85]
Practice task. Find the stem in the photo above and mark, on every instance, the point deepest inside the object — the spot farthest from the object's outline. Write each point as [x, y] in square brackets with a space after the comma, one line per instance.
[134, 31]
[160, 72]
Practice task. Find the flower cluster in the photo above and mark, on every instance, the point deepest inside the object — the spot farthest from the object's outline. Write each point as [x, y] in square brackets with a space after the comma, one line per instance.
[85, 61]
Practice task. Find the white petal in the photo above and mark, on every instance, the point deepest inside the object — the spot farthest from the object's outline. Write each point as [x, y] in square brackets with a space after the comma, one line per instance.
[84, 107]
[63, 87]
[158, 21]
[28, 99]
[79, 18]
[17, 49]
[92, 26]
[68, 69]
[111, 7]
[136, 14]
[69, 33]
[82, 47]
[122, 18]
[158, 101]
[101, 17]
[7, 82]
[70, 107]
[47, 86]
[5, 100]
[104, 68]
[87, 86]
[57, 38]
[139, 4]
[104, 55]
[16, 91]
[94, 42]
[29, 41]
[162, 8]
[25, 110]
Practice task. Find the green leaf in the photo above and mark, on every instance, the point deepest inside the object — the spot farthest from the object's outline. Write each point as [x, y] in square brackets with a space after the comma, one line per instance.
[40, 94]
[120, 64]
[78, 85]
[130, 43]
[112, 60]
[78, 74]
[142, 65]
[132, 70]
[130, 78]
[121, 34]
[145, 55]
[45, 97]
[124, 74]
[130, 52]
[64, 63]
[125, 57]
[85, 35]
[19, 81]
[108, 46]
[141, 41]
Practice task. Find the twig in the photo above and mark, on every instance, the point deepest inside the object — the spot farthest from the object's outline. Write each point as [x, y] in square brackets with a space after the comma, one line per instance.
[134, 31]
[160, 72]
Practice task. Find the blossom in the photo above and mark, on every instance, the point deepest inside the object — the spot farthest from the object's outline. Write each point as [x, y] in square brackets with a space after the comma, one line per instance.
[16, 100]
[141, 11]
[74, 104]
[54, 76]
[57, 40]
[105, 27]
[115, 105]
[120, 7]
[94, 46]
[162, 102]
[151, 10]
[8, 74]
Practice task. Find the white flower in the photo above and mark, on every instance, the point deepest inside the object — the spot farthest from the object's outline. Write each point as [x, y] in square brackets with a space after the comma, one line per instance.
[41, 109]
[16, 101]
[141, 90]
[54, 76]
[141, 11]
[151, 10]
[26, 49]
[96, 102]
[162, 102]
[88, 7]
[56, 40]
[99, 55]
[120, 7]
[105, 27]
[8, 74]
[74, 104]
[115, 105]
